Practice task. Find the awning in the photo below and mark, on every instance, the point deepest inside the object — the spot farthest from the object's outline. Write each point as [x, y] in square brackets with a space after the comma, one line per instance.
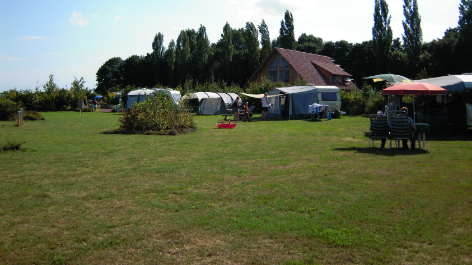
[260, 95]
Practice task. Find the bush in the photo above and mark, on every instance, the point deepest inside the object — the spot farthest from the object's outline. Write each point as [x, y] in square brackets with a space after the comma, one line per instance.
[157, 113]
[32, 115]
[11, 146]
[352, 102]
[117, 108]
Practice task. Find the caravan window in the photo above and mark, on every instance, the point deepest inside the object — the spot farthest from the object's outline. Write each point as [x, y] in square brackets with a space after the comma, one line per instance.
[329, 96]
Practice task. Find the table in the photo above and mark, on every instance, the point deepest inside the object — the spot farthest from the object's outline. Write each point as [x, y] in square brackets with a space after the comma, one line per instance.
[421, 130]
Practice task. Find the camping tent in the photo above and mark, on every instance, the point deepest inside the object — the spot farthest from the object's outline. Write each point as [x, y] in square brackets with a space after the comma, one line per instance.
[141, 95]
[446, 114]
[210, 103]
[452, 83]
[293, 101]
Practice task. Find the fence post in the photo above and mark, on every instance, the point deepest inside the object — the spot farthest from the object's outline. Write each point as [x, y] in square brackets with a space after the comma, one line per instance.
[19, 117]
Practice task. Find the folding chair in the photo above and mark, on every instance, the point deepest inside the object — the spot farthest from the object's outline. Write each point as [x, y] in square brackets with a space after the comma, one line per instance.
[401, 129]
[379, 128]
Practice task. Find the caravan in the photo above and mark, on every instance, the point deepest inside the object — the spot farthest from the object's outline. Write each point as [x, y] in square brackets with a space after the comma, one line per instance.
[293, 102]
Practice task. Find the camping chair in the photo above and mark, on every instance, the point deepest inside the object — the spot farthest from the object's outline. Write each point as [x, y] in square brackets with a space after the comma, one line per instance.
[251, 108]
[400, 128]
[379, 128]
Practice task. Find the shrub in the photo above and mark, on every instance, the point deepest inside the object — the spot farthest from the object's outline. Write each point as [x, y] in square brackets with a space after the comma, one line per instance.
[352, 102]
[32, 115]
[157, 113]
[11, 146]
[117, 108]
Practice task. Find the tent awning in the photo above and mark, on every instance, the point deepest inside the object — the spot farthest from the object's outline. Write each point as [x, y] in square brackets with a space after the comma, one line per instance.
[260, 95]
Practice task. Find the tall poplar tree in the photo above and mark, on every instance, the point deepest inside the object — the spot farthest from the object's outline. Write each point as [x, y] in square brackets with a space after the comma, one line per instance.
[158, 51]
[182, 56]
[171, 58]
[202, 52]
[464, 43]
[265, 40]
[227, 49]
[251, 43]
[382, 35]
[287, 32]
[413, 37]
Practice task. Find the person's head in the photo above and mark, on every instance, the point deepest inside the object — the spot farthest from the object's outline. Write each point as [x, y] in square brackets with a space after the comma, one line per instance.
[237, 98]
[404, 109]
[265, 94]
[247, 103]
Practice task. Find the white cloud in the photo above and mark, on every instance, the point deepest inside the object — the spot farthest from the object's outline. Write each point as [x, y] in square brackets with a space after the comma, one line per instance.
[78, 19]
[31, 37]
[8, 58]
[118, 17]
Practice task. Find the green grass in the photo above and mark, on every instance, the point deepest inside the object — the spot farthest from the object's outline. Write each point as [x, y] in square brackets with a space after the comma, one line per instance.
[277, 192]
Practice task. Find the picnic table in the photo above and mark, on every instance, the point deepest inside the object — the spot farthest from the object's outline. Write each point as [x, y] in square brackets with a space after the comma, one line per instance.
[229, 112]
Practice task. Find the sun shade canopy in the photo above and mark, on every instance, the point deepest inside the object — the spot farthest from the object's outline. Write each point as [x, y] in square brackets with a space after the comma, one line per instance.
[414, 88]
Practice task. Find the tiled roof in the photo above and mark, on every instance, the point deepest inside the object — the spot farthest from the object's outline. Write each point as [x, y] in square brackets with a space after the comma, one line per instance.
[303, 62]
[310, 67]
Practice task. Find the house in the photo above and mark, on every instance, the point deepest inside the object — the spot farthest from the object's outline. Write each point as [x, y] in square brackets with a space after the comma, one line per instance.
[288, 65]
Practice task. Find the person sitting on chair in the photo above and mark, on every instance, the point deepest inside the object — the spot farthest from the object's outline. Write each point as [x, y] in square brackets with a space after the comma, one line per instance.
[247, 112]
[413, 127]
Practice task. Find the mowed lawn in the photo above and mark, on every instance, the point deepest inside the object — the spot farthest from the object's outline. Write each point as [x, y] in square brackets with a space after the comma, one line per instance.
[276, 192]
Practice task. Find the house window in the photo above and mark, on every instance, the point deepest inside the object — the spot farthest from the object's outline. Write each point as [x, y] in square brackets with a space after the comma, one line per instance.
[334, 78]
[279, 70]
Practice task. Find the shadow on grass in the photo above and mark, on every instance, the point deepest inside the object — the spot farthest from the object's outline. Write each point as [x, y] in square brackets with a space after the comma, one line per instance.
[440, 138]
[383, 151]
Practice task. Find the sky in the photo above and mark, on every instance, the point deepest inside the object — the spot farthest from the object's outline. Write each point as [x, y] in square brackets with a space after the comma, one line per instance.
[72, 39]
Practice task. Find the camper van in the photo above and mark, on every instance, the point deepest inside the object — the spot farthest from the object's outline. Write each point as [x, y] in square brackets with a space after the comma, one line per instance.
[293, 102]
[141, 95]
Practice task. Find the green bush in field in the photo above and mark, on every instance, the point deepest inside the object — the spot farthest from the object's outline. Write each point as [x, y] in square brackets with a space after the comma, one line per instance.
[157, 113]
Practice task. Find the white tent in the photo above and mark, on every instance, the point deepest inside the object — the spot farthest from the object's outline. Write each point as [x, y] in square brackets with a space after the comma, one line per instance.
[141, 95]
[211, 103]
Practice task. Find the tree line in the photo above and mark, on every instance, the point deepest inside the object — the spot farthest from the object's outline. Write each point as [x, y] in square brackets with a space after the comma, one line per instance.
[238, 53]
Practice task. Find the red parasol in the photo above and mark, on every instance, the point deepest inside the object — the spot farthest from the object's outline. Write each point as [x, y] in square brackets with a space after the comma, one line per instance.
[414, 88]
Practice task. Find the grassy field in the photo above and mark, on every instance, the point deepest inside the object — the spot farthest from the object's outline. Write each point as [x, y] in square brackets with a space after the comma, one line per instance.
[277, 192]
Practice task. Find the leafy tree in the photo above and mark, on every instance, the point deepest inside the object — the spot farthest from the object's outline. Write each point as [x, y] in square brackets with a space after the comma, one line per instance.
[48, 100]
[131, 71]
[443, 53]
[309, 43]
[465, 35]
[77, 91]
[287, 32]
[265, 40]
[382, 35]
[109, 75]
[413, 37]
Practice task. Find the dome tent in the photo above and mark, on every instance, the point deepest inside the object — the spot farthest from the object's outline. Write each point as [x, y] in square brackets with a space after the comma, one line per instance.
[210, 103]
[141, 95]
